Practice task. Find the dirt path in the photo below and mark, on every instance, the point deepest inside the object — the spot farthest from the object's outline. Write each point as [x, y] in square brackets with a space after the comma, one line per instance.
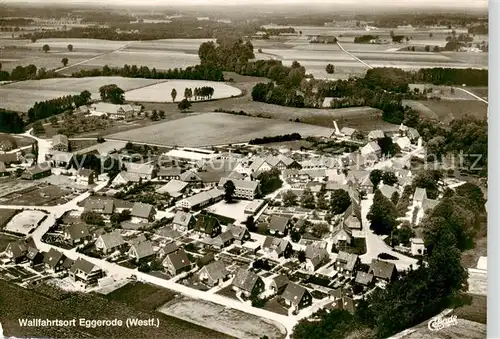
[93, 58]
[353, 56]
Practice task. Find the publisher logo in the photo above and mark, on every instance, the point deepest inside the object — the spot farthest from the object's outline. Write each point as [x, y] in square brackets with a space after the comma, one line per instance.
[440, 323]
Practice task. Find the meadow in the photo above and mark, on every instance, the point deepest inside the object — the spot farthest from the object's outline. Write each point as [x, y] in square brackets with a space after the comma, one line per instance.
[21, 96]
[161, 92]
[216, 129]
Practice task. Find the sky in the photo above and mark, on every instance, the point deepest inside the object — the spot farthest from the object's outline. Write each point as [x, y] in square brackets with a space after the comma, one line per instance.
[404, 3]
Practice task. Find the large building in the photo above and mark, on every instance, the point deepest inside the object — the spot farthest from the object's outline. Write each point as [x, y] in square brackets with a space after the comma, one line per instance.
[244, 189]
[191, 155]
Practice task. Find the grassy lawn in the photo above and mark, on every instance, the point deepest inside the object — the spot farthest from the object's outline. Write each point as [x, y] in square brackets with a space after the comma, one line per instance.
[358, 246]
[17, 302]
[5, 239]
[143, 296]
[475, 311]
[5, 216]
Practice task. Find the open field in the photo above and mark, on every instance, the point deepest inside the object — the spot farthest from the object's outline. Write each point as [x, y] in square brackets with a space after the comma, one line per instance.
[447, 110]
[161, 92]
[216, 129]
[22, 95]
[143, 296]
[229, 321]
[5, 239]
[5, 216]
[25, 222]
[15, 300]
[464, 329]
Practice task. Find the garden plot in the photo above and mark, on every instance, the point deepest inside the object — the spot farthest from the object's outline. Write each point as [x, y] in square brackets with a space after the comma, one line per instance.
[161, 92]
[25, 222]
[225, 320]
[217, 129]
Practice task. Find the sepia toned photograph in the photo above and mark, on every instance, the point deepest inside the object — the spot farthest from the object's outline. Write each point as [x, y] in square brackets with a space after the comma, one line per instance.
[209, 169]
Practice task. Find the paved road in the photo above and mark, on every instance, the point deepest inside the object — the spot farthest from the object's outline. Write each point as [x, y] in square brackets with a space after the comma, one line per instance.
[44, 145]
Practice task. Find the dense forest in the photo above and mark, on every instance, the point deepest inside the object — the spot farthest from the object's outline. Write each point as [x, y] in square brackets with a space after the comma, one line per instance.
[45, 109]
[10, 122]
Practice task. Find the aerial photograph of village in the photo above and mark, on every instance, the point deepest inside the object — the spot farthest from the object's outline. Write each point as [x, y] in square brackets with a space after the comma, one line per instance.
[247, 169]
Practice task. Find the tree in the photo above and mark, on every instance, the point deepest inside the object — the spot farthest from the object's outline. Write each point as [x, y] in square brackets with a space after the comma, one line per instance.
[70, 47]
[320, 229]
[38, 128]
[250, 224]
[161, 114]
[330, 69]
[64, 61]
[92, 218]
[382, 214]
[389, 178]
[184, 105]
[188, 93]
[46, 48]
[340, 201]
[301, 256]
[112, 93]
[430, 35]
[391, 33]
[229, 189]
[395, 198]
[376, 177]
[322, 204]
[33, 40]
[173, 94]
[307, 200]
[435, 49]
[289, 198]
[427, 48]
[154, 115]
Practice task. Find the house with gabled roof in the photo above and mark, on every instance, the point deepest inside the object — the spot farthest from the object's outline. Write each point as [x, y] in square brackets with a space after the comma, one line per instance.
[240, 234]
[174, 188]
[110, 242]
[169, 173]
[34, 256]
[77, 234]
[296, 296]
[279, 283]
[247, 282]
[38, 171]
[17, 251]
[316, 256]
[61, 159]
[213, 274]
[344, 303]
[201, 199]
[346, 263]
[348, 132]
[169, 248]
[276, 247]
[144, 171]
[85, 272]
[124, 178]
[208, 226]
[375, 135]
[342, 235]
[176, 262]
[383, 270]
[183, 221]
[143, 212]
[278, 225]
[141, 251]
[352, 216]
[387, 191]
[363, 278]
[101, 206]
[60, 143]
[371, 149]
[53, 260]
[190, 176]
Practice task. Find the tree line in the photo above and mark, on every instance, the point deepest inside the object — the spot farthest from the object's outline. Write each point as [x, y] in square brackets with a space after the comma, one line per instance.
[277, 138]
[198, 72]
[48, 108]
[29, 72]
